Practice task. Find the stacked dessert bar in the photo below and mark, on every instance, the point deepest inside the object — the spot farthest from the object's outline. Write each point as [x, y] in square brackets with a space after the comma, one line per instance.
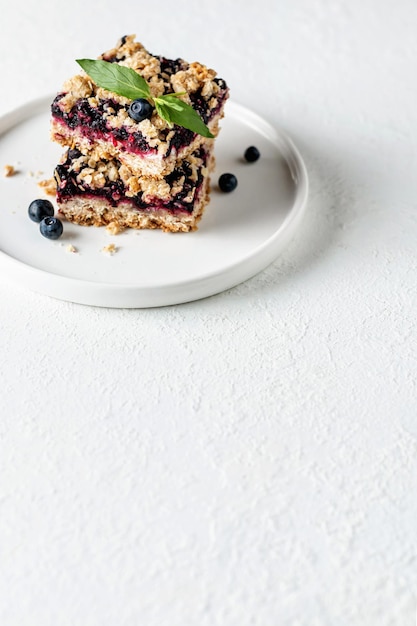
[147, 174]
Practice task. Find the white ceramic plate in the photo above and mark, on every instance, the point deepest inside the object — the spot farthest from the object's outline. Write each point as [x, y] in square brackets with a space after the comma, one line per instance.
[240, 233]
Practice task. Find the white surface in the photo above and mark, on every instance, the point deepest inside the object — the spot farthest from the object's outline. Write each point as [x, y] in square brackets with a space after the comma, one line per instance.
[241, 233]
[249, 459]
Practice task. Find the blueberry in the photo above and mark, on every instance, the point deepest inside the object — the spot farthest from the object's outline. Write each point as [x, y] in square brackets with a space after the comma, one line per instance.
[227, 182]
[38, 209]
[51, 227]
[252, 154]
[73, 154]
[140, 109]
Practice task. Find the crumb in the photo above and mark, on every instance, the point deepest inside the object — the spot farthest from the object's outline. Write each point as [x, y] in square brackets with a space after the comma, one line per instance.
[114, 228]
[71, 248]
[109, 249]
[30, 174]
[48, 186]
[39, 173]
[9, 170]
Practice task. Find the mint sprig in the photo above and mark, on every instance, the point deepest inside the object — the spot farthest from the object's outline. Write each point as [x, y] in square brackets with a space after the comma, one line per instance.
[127, 83]
[116, 78]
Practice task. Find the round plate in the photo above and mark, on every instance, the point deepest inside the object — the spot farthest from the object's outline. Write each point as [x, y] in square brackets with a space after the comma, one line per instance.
[240, 233]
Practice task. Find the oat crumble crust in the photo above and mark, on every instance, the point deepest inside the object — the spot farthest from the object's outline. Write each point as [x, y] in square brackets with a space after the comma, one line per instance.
[9, 170]
[114, 228]
[48, 186]
[109, 249]
[191, 78]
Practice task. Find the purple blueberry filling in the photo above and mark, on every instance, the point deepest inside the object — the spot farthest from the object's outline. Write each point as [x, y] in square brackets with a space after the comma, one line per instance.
[93, 125]
[171, 66]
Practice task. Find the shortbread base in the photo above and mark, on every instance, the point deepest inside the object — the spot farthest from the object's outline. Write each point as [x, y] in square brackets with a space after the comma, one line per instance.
[99, 212]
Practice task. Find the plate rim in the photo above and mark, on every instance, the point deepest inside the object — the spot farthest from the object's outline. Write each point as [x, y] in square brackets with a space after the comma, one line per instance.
[145, 295]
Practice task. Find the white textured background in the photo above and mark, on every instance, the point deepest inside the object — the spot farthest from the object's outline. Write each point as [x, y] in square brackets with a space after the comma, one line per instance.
[249, 459]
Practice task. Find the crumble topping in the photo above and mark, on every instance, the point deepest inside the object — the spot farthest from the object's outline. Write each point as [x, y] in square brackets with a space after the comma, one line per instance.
[48, 186]
[195, 77]
[9, 170]
[114, 228]
[75, 88]
[88, 171]
[109, 249]
[153, 189]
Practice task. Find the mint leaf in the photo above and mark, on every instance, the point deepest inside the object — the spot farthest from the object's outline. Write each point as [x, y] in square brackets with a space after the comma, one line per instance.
[163, 110]
[127, 83]
[175, 111]
[116, 78]
[177, 94]
[169, 102]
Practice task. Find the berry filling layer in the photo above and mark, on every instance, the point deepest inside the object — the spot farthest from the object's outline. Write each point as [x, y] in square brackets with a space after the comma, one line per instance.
[92, 123]
[95, 122]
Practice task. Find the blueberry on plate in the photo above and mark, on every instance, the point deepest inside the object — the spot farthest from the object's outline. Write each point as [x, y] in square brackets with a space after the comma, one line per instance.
[51, 227]
[38, 209]
[227, 182]
[140, 109]
[252, 154]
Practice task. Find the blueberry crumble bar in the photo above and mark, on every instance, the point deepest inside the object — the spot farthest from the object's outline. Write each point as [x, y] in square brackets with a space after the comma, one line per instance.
[106, 192]
[121, 169]
[97, 121]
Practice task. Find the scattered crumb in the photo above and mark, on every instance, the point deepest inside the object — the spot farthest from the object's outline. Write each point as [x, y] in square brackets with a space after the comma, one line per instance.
[71, 248]
[30, 174]
[48, 186]
[109, 249]
[114, 228]
[39, 173]
[9, 170]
